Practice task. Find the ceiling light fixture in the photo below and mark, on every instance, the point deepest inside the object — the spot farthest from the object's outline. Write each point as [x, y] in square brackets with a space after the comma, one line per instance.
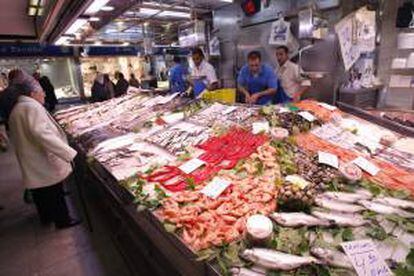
[96, 6]
[94, 19]
[35, 8]
[76, 26]
[107, 8]
[63, 40]
[150, 12]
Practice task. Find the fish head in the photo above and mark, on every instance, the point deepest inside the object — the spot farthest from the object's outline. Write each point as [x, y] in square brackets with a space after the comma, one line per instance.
[248, 254]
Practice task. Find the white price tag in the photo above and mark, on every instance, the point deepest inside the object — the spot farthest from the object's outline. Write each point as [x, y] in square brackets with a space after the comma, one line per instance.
[365, 258]
[284, 110]
[367, 166]
[366, 142]
[229, 109]
[307, 116]
[191, 165]
[173, 118]
[328, 106]
[215, 187]
[261, 127]
[164, 100]
[328, 159]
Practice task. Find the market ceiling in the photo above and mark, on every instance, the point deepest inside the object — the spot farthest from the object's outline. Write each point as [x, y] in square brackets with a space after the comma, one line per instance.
[125, 22]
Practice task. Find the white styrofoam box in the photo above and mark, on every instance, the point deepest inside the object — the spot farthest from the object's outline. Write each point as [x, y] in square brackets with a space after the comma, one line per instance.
[406, 41]
[399, 63]
[400, 81]
[410, 61]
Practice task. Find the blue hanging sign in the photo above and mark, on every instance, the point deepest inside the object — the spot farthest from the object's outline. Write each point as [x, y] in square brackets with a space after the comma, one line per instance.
[34, 50]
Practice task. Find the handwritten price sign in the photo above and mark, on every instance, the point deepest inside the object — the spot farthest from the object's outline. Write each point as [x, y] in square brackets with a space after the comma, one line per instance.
[365, 258]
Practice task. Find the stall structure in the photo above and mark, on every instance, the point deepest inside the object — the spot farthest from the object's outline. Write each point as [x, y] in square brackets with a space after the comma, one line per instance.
[194, 185]
[57, 63]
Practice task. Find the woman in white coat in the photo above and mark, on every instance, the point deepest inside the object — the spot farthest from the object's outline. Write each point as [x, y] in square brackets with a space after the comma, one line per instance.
[41, 149]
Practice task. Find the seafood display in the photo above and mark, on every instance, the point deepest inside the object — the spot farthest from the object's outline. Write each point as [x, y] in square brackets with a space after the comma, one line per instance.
[257, 202]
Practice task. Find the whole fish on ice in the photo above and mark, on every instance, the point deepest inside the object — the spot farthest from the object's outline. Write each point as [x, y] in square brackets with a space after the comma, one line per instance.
[298, 220]
[395, 202]
[385, 209]
[272, 259]
[242, 271]
[331, 257]
[347, 197]
[341, 219]
[338, 206]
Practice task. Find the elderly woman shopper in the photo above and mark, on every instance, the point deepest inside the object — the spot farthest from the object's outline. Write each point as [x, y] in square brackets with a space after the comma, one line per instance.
[41, 149]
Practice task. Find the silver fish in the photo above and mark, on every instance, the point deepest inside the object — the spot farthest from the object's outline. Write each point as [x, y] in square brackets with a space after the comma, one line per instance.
[272, 259]
[347, 197]
[331, 257]
[242, 271]
[298, 219]
[335, 205]
[341, 219]
[395, 202]
[384, 209]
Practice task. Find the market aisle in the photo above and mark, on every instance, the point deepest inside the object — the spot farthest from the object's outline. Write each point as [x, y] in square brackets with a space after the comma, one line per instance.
[27, 248]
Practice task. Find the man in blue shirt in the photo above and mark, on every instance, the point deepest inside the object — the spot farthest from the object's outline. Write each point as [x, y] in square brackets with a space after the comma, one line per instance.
[178, 77]
[257, 81]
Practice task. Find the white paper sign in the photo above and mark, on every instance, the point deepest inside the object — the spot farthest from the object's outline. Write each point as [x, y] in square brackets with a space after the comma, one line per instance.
[229, 109]
[328, 159]
[191, 165]
[167, 99]
[261, 127]
[173, 118]
[367, 166]
[366, 142]
[307, 116]
[284, 110]
[215, 187]
[328, 106]
[365, 258]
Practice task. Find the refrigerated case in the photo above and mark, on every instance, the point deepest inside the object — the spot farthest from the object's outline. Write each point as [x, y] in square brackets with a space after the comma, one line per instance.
[61, 72]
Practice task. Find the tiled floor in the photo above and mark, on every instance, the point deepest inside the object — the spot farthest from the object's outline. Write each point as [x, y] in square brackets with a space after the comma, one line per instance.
[27, 248]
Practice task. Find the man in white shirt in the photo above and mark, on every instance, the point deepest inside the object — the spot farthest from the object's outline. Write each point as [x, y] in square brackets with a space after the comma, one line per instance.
[289, 75]
[203, 76]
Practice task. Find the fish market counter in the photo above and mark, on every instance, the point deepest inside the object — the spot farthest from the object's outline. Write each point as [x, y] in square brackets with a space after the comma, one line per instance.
[379, 120]
[139, 236]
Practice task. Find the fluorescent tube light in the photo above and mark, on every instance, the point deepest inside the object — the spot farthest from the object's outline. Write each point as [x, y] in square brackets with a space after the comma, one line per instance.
[94, 19]
[96, 6]
[107, 8]
[147, 11]
[62, 40]
[76, 26]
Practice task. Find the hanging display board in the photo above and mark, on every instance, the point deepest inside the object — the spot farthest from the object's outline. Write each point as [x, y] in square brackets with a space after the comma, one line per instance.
[356, 33]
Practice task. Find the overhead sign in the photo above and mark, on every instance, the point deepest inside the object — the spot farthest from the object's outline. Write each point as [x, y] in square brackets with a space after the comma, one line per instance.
[34, 50]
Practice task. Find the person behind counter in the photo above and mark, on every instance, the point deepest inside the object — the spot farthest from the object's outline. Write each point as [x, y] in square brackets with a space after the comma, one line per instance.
[177, 77]
[121, 86]
[289, 74]
[133, 81]
[50, 100]
[41, 148]
[202, 75]
[257, 81]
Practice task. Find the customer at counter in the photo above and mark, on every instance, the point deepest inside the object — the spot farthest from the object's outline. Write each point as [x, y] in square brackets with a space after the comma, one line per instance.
[289, 74]
[41, 148]
[257, 81]
[177, 77]
[121, 86]
[202, 75]
[133, 81]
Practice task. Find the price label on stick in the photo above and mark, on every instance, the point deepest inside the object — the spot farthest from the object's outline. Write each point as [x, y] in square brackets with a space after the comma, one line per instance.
[229, 109]
[307, 116]
[328, 106]
[215, 187]
[328, 159]
[365, 258]
[261, 127]
[367, 166]
[191, 165]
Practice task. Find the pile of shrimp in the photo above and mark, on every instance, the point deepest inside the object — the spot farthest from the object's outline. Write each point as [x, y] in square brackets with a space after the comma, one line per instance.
[204, 222]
